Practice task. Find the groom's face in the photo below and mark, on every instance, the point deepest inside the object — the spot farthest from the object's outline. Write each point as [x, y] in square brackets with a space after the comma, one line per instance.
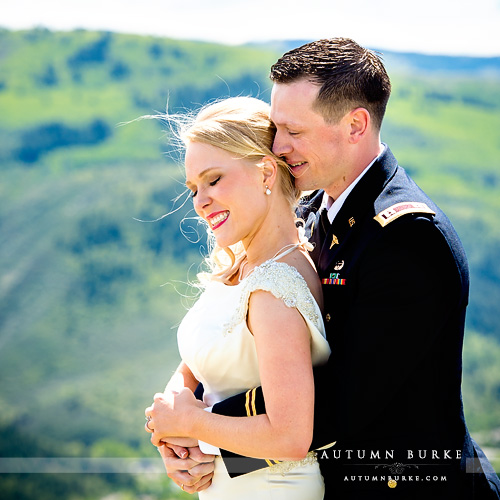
[316, 151]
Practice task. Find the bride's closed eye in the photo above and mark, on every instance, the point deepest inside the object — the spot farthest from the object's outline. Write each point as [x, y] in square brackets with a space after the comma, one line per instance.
[212, 183]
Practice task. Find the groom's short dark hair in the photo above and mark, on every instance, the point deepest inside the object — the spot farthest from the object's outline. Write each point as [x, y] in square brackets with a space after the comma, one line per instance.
[349, 76]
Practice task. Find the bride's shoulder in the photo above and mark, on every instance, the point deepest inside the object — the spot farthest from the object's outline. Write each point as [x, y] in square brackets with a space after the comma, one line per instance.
[287, 281]
[305, 267]
[292, 274]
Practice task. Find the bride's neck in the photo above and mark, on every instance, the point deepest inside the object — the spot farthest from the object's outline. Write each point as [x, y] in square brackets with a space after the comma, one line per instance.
[270, 240]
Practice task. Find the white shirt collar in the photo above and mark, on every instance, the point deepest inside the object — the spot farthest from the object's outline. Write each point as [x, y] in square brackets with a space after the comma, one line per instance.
[334, 207]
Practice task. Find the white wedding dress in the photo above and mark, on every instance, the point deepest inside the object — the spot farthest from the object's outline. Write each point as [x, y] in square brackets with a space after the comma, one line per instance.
[214, 341]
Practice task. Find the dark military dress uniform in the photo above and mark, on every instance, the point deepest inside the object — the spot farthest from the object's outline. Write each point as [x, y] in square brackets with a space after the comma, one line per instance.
[395, 284]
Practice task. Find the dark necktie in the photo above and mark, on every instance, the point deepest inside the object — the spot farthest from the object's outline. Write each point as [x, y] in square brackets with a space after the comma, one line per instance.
[325, 222]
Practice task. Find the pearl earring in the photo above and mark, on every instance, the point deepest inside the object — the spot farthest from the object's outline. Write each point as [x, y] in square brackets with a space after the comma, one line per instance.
[268, 191]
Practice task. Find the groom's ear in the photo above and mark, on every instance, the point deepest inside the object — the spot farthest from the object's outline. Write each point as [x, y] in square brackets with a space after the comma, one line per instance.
[359, 120]
[269, 168]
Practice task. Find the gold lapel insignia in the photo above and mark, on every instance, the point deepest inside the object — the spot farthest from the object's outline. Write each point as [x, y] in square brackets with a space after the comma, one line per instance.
[352, 222]
[335, 241]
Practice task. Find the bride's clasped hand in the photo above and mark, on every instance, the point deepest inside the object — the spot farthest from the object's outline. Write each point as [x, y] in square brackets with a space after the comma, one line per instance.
[170, 415]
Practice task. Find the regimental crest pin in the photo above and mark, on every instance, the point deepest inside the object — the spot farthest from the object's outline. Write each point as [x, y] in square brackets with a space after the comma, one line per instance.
[338, 265]
[335, 241]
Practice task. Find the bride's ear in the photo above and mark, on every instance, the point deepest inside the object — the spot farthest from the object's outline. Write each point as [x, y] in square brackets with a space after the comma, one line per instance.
[269, 168]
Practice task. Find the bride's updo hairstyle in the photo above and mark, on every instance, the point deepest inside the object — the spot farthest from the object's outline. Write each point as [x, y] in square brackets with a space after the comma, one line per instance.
[241, 126]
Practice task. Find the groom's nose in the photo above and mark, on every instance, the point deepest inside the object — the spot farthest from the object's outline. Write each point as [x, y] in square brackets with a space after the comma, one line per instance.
[281, 146]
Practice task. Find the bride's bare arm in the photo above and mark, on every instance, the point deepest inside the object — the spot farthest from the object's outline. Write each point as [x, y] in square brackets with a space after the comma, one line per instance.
[182, 377]
[285, 432]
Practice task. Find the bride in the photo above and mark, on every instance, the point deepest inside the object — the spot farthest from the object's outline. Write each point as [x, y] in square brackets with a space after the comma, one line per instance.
[258, 321]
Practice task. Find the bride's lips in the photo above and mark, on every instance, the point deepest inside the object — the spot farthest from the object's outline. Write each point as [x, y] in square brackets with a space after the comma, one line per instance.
[216, 219]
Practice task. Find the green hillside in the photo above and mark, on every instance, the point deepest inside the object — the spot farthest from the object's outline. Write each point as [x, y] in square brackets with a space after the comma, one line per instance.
[90, 297]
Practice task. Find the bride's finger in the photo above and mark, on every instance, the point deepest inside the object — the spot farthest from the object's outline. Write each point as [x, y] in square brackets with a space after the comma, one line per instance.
[148, 426]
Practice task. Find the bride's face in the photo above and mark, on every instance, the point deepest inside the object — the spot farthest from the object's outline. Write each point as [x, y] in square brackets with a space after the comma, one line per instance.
[228, 192]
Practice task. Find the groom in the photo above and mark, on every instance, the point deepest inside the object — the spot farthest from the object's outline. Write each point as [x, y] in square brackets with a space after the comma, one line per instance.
[395, 284]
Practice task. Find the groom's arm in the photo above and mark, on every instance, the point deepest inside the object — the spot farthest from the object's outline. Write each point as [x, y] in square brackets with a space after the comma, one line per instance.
[246, 404]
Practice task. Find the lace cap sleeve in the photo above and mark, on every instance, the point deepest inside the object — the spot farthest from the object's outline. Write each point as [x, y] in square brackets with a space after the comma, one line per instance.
[285, 283]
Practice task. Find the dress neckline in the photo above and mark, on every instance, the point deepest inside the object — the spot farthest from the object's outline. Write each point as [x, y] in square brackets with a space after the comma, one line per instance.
[278, 255]
[282, 252]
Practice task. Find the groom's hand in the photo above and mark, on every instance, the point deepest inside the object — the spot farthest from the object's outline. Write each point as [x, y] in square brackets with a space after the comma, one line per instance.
[189, 468]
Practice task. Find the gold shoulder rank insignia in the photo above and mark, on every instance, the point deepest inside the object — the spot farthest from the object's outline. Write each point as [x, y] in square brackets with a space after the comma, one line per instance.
[399, 209]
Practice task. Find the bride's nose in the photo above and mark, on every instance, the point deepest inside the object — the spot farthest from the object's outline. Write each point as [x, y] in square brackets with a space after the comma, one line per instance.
[201, 201]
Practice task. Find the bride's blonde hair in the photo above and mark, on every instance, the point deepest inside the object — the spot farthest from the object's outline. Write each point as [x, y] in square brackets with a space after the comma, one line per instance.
[242, 127]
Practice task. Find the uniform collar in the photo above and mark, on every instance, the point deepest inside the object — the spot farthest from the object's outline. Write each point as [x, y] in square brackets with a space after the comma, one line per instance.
[334, 206]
